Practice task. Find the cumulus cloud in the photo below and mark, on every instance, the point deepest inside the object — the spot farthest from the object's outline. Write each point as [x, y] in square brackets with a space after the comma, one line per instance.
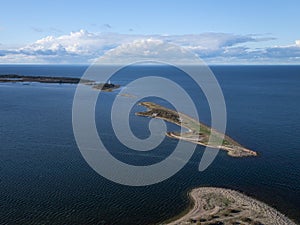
[84, 47]
[149, 50]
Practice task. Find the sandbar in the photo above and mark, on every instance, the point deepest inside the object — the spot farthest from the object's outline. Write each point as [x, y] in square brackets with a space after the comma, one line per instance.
[220, 206]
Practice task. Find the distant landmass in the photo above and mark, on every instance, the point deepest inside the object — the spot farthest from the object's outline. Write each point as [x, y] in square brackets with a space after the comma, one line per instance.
[15, 78]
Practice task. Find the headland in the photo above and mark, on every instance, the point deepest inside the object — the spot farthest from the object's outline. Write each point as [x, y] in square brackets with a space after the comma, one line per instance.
[197, 132]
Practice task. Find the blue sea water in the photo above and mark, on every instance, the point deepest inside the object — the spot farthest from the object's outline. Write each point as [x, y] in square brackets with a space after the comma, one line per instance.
[44, 179]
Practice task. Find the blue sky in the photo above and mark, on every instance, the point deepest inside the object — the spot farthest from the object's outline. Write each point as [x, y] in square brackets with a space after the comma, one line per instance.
[263, 31]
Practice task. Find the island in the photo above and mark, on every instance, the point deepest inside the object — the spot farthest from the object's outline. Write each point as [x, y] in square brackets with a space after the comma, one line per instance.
[197, 132]
[15, 78]
[220, 206]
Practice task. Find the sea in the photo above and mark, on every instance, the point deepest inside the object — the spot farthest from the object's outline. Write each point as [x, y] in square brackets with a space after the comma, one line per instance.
[45, 180]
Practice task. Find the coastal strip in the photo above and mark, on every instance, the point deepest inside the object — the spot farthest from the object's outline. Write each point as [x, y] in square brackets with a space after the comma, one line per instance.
[15, 78]
[198, 132]
[222, 206]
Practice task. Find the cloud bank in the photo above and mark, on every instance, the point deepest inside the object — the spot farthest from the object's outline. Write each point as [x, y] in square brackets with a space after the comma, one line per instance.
[217, 48]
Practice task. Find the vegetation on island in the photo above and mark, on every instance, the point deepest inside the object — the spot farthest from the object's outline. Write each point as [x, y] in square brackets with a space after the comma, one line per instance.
[198, 132]
[14, 78]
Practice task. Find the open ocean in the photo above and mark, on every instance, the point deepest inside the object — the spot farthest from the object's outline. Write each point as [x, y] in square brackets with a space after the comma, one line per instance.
[45, 180]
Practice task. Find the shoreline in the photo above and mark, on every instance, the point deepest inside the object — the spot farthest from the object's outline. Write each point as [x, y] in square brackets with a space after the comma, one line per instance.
[15, 78]
[212, 205]
[197, 133]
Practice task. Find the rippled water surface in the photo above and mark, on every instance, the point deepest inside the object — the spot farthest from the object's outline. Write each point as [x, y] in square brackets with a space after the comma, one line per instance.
[44, 179]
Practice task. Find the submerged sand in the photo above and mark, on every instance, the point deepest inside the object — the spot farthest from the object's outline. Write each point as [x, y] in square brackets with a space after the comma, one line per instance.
[224, 206]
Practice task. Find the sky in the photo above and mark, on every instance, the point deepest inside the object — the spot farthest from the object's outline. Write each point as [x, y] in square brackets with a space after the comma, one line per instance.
[219, 32]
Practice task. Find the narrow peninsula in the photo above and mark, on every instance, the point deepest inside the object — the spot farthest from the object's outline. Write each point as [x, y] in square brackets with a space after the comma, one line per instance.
[219, 206]
[197, 132]
[15, 78]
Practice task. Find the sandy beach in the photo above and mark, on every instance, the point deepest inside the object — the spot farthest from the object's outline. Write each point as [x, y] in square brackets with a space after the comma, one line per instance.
[219, 206]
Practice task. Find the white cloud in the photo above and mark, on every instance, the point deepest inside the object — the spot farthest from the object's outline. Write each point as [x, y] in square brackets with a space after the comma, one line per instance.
[83, 47]
[149, 49]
